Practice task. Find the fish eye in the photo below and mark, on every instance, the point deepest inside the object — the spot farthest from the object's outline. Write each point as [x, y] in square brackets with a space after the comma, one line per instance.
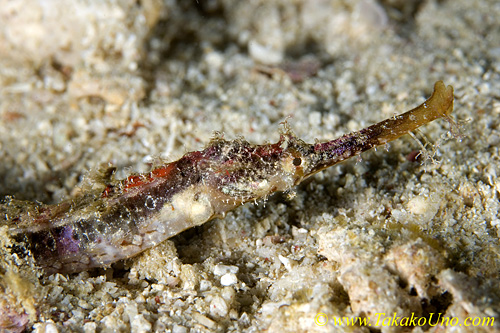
[297, 161]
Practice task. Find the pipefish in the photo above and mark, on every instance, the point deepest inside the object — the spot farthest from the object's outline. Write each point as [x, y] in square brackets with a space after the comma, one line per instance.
[139, 212]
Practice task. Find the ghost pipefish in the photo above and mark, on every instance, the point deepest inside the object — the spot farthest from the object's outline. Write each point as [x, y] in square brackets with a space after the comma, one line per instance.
[134, 214]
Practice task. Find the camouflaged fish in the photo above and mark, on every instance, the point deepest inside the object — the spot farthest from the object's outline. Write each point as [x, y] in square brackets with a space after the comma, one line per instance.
[134, 214]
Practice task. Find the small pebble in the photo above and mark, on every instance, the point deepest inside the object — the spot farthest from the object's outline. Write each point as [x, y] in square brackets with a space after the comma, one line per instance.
[228, 279]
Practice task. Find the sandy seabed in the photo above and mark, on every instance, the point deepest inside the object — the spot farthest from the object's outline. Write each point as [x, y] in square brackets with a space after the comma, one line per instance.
[385, 237]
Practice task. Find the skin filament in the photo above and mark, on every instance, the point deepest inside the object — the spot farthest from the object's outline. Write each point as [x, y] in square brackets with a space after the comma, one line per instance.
[131, 215]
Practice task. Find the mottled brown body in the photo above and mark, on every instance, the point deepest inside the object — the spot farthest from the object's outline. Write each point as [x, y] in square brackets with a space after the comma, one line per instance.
[141, 211]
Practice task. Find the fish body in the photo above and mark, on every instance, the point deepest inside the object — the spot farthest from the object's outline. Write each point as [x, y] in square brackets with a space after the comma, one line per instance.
[137, 213]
